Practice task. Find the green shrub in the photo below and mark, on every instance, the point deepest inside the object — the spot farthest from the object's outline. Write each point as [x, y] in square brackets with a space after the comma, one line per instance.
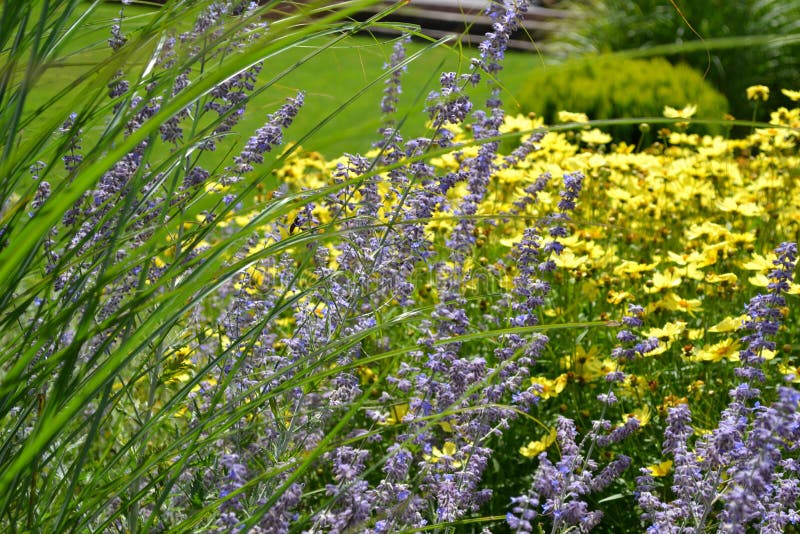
[606, 87]
[596, 28]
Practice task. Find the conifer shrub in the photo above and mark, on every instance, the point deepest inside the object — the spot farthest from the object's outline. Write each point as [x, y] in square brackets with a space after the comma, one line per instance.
[606, 88]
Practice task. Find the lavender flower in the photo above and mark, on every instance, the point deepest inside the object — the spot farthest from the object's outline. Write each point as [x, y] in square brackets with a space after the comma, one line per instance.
[228, 101]
[391, 93]
[505, 19]
[73, 157]
[117, 39]
[269, 135]
[558, 488]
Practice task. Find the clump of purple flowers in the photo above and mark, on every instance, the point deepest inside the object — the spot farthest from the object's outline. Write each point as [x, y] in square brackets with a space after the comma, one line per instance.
[745, 471]
[558, 491]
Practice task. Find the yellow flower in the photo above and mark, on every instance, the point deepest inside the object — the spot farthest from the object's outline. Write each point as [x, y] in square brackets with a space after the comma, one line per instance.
[547, 388]
[685, 113]
[534, 448]
[586, 365]
[673, 302]
[366, 374]
[445, 453]
[727, 349]
[216, 187]
[760, 263]
[695, 333]
[615, 297]
[727, 278]
[595, 137]
[728, 324]
[568, 260]
[767, 354]
[660, 470]
[758, 92]
[643, 415]
[633, 269]
[568, 116]
[661, 281]
[696, 388]
[701, 259]
[792, 95]
[634, 386]
[670, 331]
[396, 415]
[759, 280]
[747, 209]
[788, 371]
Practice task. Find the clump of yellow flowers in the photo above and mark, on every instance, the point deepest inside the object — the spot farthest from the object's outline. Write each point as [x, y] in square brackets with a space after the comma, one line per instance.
[682, 227]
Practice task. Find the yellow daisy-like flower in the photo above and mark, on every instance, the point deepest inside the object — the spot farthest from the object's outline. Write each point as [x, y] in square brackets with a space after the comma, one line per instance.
[568, 116]
[643, 415]
[445, 453]
[587, 365]
[759, 280]
[790, 371]
[396, 414]
[696, 388]
[516, 123]
[670, 331]
[568, 260]
[757, 92]
[766, 354]
[615, 297]
[366, 374]
[633, 269]
[701, 259]
[534, 448]
[685, 113]
[726, 349]
[792, 95]
[728, 324]
[747, 209]
[660, 470]
[760, 263]
[547, 388]
[634, 386]
[695, 333]
[726, 278]
[595, 137]
[672, 302]
[666, 280]
[216, 187]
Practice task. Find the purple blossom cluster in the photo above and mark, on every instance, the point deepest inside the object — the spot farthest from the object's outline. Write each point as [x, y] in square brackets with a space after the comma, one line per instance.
[558, 489]
[269, 135]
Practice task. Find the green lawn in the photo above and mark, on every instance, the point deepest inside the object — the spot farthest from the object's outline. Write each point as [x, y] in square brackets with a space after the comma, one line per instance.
[329, 80]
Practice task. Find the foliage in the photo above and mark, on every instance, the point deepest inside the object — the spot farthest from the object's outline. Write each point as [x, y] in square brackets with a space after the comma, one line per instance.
[613, 88]
[603, 26]
[206, 334]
